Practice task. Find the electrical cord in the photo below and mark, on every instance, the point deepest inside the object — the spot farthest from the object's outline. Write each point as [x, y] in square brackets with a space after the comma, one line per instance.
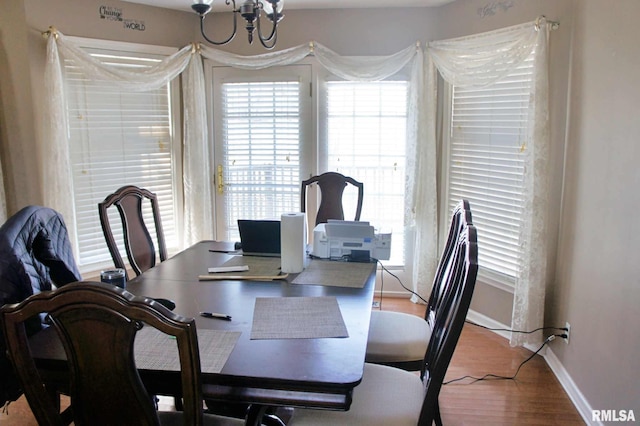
[401, 283]
[381, 282]
[518, 331]
[486, 376]
[467, 321]
[498, 377]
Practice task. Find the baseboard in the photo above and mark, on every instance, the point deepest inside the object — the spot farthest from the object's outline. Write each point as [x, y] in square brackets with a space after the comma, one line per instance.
[485, 321]
[578, 399]
[402, 294]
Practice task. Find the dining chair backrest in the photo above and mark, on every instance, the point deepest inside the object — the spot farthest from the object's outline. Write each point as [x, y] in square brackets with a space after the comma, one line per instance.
[449, 320]
[97, 324]
[141, 252]
[460, 218]
[332, 187]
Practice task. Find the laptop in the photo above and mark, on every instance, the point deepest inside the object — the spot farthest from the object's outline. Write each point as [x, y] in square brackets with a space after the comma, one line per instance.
[260, 237]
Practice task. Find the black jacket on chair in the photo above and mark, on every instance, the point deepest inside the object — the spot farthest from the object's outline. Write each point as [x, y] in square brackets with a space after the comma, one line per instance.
[35, 254]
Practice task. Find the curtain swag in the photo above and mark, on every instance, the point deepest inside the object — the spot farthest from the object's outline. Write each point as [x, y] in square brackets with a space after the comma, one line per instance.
[471, 61]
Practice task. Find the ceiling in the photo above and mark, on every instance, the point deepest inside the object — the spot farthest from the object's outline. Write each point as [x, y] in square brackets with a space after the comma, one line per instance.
[219, 5]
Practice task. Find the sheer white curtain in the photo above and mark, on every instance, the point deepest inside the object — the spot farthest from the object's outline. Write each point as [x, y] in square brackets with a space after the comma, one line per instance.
[421, 172]
[58, 184]
[422, 183]
[196, 177]
[54, 150]
[478, 61]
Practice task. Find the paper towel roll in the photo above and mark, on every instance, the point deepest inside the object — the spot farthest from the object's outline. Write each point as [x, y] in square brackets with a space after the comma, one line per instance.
[292, 242]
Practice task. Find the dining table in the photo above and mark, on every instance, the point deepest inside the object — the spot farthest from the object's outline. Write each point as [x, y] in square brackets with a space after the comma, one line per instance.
[272, 339]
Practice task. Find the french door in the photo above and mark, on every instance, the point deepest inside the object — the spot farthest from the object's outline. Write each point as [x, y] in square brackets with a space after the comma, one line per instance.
[263, 144]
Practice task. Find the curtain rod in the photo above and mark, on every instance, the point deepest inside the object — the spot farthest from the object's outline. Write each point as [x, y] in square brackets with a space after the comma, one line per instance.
[50, 32]
[554, 25]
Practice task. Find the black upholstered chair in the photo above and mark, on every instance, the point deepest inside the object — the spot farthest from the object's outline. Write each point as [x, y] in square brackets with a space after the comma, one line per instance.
[97, 324]
[139, 246]
[332, 187]
[400, 339]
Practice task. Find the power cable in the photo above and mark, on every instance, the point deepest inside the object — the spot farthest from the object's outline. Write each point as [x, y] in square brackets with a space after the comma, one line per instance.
[498, 377]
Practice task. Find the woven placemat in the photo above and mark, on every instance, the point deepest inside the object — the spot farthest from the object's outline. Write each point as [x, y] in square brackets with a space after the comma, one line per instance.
[257, 266]
[297, 318]
[155, 350]
[336, 274]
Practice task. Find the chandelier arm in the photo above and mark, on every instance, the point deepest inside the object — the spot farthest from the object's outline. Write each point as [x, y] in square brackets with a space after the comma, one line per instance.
[274, 32]
[249, 10]
[233, 33]
[274, 38]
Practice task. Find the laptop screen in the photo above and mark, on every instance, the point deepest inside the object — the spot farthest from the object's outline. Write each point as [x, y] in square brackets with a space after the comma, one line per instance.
[259, 237]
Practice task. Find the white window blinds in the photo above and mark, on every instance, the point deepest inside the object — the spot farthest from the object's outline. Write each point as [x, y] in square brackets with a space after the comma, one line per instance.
[366, 139]
[488, 141]
[118, 138]
[261, 150]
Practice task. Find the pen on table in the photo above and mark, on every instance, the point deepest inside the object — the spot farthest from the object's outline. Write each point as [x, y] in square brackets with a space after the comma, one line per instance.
[216, 315]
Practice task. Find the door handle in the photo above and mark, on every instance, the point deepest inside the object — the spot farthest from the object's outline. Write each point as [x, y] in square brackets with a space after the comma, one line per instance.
[220, 180]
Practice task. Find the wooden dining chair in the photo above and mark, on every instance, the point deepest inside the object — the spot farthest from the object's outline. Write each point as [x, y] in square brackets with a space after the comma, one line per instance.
[332, 187]
[139, 246]
[97, 324]
[399, 339]
[392, 396]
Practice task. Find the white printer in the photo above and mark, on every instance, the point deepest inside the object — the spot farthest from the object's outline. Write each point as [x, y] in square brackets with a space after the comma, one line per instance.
[339, 239]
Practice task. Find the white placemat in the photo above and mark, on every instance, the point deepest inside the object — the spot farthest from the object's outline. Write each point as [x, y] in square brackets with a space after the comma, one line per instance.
[297, 318]
[155, 350]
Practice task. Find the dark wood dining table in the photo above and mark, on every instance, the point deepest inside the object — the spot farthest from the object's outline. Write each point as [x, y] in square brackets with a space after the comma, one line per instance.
[312, 373]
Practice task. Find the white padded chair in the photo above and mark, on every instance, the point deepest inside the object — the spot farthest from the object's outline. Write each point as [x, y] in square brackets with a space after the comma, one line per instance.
[399, 339]
[391, 396]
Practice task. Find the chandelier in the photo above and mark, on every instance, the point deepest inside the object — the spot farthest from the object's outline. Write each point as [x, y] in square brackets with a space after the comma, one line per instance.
[250, 10]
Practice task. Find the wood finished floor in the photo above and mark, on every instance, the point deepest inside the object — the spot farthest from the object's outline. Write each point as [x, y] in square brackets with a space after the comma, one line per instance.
[534, 398]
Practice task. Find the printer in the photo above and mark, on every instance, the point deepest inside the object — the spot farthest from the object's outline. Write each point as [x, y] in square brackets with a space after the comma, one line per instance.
[351, 240]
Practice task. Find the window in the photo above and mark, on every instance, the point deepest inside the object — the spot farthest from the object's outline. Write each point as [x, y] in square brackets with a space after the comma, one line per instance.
[365, 139]
[264, 144]
[487, 142]
[262, 132]
[118, 138]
